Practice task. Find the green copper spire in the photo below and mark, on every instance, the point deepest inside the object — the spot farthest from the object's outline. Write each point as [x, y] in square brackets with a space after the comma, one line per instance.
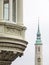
[38, 41]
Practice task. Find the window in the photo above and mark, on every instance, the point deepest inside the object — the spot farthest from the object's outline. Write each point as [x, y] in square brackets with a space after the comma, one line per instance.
[39, 60]
[6, 10]
[14, 10]
[39, 49]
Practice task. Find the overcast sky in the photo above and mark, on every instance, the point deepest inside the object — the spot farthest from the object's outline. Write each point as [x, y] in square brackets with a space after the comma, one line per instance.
[32, 10]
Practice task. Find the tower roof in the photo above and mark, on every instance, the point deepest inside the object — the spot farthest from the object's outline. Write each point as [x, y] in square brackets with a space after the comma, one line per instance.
[38, 41]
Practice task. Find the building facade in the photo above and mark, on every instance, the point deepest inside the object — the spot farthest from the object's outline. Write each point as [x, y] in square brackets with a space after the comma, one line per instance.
[12, 31]
[38, 49]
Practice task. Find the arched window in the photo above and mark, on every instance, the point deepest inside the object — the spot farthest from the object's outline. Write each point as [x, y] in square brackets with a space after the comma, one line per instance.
[6, 10]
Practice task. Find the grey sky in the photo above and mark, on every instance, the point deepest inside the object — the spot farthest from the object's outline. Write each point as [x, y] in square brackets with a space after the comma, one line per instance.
[32, 10]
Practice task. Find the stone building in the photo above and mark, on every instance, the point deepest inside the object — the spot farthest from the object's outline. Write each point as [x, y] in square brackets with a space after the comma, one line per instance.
[12, 31]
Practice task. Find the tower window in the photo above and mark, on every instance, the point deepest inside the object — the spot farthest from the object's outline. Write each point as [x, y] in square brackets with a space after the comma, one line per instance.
[14, 10]
[39, 49]
[6, 9]
[39, 59]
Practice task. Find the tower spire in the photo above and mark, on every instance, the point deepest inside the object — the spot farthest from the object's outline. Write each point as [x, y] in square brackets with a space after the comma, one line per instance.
[38, 25]
[38, 28]
[38, 48]
[38, 41]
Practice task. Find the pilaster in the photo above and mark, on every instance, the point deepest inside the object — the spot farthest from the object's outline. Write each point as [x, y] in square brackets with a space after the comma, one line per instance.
[20, 12]
[10, 9]
[1, 9]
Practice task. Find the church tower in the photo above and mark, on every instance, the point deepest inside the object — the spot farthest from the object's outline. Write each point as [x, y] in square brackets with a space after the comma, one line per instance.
[12, 31]
[38, 48]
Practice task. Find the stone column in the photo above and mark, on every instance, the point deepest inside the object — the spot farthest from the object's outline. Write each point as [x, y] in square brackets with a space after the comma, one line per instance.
[10, 9]
[20, 12]
[1, 9]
